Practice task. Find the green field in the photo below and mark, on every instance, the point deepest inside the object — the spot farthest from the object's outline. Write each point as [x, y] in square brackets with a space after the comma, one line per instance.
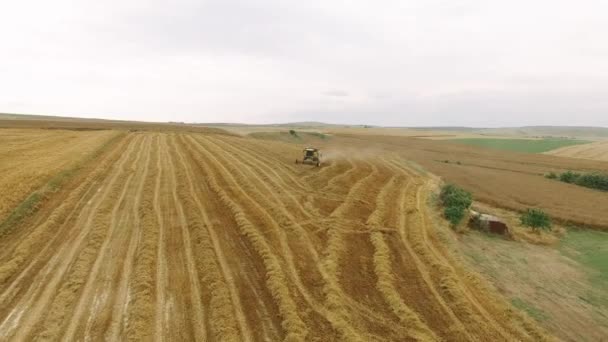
[590, 248]
[520, 145]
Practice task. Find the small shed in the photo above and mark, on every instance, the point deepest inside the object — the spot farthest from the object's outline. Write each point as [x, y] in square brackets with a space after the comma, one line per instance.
[488, 223]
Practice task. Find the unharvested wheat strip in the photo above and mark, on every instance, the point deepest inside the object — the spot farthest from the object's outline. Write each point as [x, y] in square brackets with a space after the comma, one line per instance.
[200, 330]
[224, 279]
[382, 267]
[89, 298]
[294, 327]
[121, 300]
[62, 215]
[161, 277]
[38, 298]
[138, 320]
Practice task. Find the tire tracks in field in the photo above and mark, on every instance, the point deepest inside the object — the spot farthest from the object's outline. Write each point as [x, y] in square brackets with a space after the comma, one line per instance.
[117, 317]
[438, 315]
[347, 175]
[282, 216]
[263, 171]
[97, 290]
[295, 329]
[226, 310]
[334, 296]
[141, 307]
[383, 269]
[161, 191]
[198, 321]
[249, 269]
[266, 159]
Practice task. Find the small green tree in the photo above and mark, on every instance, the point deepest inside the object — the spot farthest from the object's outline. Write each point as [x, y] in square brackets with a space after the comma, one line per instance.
[455, 201]
[536, 219]
[453, 196]
[569, 177]
[454, 214]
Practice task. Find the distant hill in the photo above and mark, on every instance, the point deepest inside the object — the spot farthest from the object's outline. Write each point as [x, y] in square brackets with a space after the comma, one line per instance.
[528, 131]
[552, 131]
[587, 132]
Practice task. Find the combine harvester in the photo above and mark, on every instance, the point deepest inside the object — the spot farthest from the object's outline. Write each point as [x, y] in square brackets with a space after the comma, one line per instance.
[310, 155]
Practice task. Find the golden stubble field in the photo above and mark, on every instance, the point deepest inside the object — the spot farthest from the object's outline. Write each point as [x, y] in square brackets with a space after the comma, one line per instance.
[30, 157]
[595, 151]
[202, 236]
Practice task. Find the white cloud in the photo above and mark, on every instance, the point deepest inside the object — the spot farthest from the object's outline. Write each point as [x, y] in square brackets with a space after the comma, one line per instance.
[482, 63]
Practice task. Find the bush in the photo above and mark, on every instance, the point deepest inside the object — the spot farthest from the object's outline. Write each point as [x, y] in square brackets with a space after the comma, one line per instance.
[453, 196]
[593, 180]
[292, 132]
[569, 177]
[455, 201]
[589, 180]
[454, 214]
[536, 219]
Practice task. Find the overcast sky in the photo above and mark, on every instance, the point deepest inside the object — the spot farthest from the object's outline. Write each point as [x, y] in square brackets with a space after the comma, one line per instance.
[407, 63]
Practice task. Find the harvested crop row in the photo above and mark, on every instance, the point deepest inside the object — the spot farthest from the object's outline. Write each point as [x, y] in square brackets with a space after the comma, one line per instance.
[181, 236]
[292, 323]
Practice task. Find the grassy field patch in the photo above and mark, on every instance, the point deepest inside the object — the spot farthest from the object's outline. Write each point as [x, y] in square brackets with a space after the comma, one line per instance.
[529, 309]
[521, 145]
[590, 248]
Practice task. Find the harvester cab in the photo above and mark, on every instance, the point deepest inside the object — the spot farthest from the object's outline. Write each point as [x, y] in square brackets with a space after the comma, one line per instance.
[311, 156]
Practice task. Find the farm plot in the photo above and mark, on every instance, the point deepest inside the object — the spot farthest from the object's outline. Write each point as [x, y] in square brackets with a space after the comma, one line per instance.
[212, 237]
[30, 157]
[594, 151]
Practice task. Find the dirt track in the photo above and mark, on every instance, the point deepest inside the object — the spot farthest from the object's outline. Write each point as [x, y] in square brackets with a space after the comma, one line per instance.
[194, 237]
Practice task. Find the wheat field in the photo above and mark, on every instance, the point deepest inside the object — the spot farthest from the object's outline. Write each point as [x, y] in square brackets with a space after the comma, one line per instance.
[188, 236]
